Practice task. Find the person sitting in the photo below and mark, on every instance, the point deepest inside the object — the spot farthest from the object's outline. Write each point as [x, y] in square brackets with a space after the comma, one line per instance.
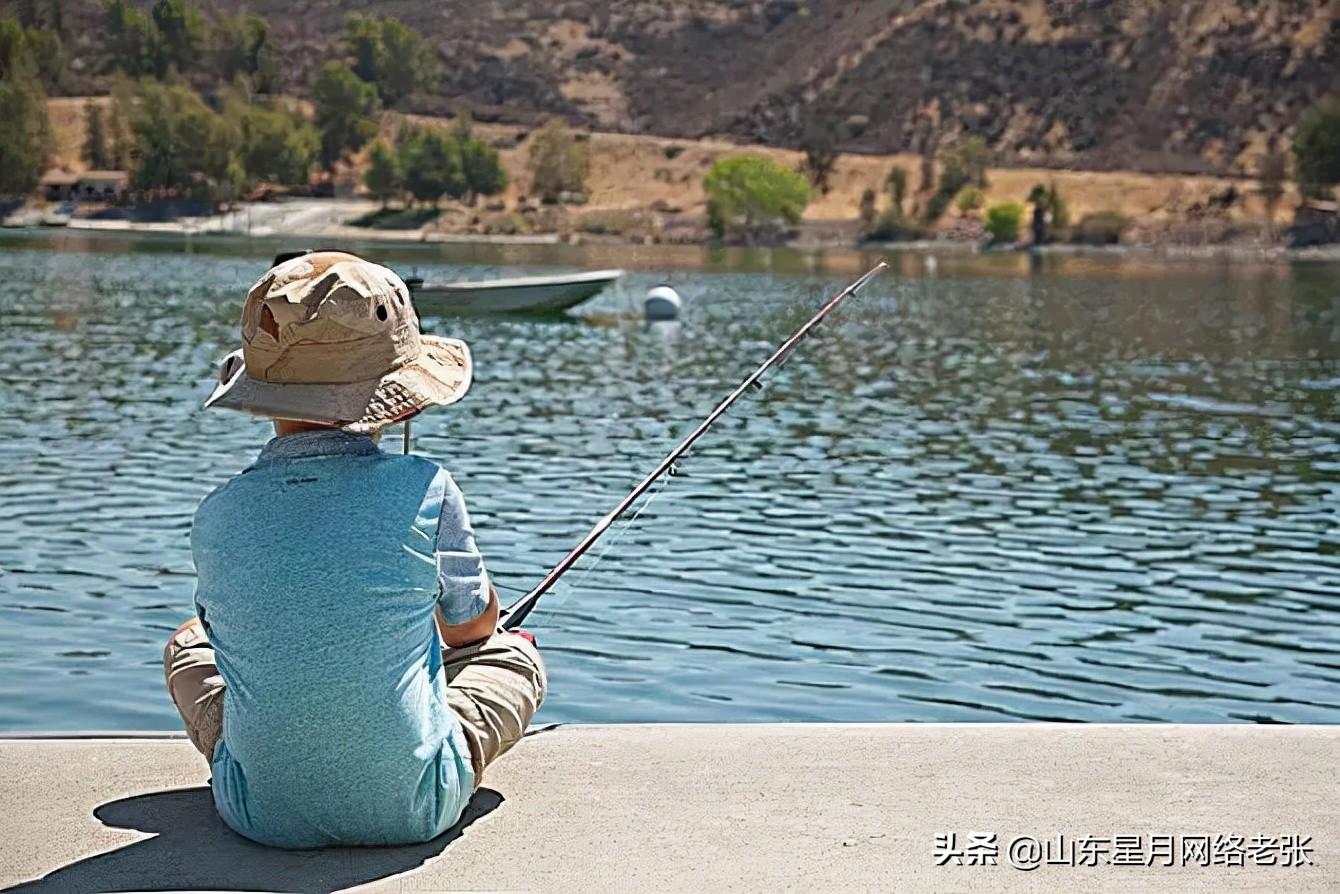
[344, 673]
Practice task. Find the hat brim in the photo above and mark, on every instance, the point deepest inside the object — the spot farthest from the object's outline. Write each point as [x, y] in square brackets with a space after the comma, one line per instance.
[441, 375]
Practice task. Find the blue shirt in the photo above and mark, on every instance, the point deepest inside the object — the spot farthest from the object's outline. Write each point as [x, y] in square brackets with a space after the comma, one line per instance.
[318, 572]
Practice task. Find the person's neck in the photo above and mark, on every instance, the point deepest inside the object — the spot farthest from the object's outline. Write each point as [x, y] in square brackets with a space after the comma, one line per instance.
[285, 427]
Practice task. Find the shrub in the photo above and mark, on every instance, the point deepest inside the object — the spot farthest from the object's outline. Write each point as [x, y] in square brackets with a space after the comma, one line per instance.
[962, 166]
[1316, 149]
[615, 223]
[893, 227]
[1002, 222]
[970, 198]
[1101, 228]
[396, 218]
[558, 162]
[753, 195]
[867, 207]
[897, 184]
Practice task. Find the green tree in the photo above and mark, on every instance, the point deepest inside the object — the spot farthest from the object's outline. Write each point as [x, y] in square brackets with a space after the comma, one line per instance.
[363, 41]
[821, 154]
[345, 110]
[897, 185]
[55, 18]
[408, 65]
[96, 151]
[30, 52]
[180, 143]
[25, 129]
[27, 13]
[1273, 174]
[390, 55]
[277, 145]
[965, 164]
[120, 138]
[15, 60]
[481, 167]
[867, 208]
[752, 195]
[132, 37]
[48, 55]
[383, 177]
[431, 161]
[181, 33]
[25, 137]
[1002, 222]
[234, 183]
[242, 47]
[1316, 149]
[1051, 215]
[557, 162]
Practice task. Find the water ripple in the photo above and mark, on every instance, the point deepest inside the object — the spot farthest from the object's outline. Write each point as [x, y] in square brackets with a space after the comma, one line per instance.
[1091, 497]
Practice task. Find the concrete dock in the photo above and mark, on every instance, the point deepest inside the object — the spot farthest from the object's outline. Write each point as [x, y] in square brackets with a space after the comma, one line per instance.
[735, 808]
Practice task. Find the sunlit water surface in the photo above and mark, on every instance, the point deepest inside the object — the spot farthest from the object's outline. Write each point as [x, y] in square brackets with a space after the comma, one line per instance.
[1101, 491]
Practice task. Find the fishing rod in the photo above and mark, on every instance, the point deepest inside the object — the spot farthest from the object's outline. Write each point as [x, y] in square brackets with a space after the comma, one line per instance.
[517, 611]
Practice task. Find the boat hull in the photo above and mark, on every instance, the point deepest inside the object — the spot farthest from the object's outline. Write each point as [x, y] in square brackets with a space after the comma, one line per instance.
[523, 295]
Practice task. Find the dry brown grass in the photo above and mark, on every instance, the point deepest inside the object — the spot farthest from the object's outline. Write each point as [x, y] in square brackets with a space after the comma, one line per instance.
[634, 172]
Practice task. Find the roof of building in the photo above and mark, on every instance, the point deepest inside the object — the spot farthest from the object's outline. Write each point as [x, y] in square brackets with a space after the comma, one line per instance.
[59, 178]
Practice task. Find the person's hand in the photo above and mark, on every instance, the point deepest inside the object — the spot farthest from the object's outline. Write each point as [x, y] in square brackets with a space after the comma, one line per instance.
[527, 636]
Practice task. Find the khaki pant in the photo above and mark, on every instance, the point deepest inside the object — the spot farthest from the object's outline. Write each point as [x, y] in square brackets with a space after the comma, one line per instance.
[494, 686]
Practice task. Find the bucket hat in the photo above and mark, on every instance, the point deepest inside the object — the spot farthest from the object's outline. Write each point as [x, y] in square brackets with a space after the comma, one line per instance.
[328, 337]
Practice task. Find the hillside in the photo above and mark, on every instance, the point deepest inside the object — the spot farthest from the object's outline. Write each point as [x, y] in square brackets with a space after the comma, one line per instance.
[1101, 84]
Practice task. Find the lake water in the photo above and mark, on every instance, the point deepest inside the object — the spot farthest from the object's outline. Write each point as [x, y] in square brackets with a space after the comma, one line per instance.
[1102, 490]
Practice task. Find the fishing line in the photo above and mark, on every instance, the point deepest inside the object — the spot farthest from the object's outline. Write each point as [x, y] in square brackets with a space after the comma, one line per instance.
[628, 523]
[517, 611]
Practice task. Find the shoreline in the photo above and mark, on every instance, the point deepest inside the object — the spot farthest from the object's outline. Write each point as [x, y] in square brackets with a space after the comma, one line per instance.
[633, 254]
[644, 189]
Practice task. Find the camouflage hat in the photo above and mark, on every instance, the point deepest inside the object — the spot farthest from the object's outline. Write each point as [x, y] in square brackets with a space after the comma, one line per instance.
[331, 338]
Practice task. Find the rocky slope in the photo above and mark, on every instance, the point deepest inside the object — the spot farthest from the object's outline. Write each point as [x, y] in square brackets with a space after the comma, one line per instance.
[1133, 84]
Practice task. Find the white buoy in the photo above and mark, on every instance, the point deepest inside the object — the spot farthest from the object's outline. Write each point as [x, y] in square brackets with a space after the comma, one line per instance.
[662, 303]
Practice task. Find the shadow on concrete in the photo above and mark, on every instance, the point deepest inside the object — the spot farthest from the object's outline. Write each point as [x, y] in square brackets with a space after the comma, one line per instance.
[194, 850]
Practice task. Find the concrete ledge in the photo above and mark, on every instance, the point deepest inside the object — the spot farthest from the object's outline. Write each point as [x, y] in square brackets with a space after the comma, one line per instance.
[710, 808]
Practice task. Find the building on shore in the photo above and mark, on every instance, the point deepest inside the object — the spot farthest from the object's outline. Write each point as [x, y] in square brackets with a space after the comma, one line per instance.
[90, 186]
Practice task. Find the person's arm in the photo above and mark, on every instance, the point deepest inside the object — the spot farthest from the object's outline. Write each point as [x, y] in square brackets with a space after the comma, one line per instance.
[455, 635]
[467, 604]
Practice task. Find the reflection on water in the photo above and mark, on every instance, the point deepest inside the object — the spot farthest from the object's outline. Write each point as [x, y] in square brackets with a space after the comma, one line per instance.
[1104, 491]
